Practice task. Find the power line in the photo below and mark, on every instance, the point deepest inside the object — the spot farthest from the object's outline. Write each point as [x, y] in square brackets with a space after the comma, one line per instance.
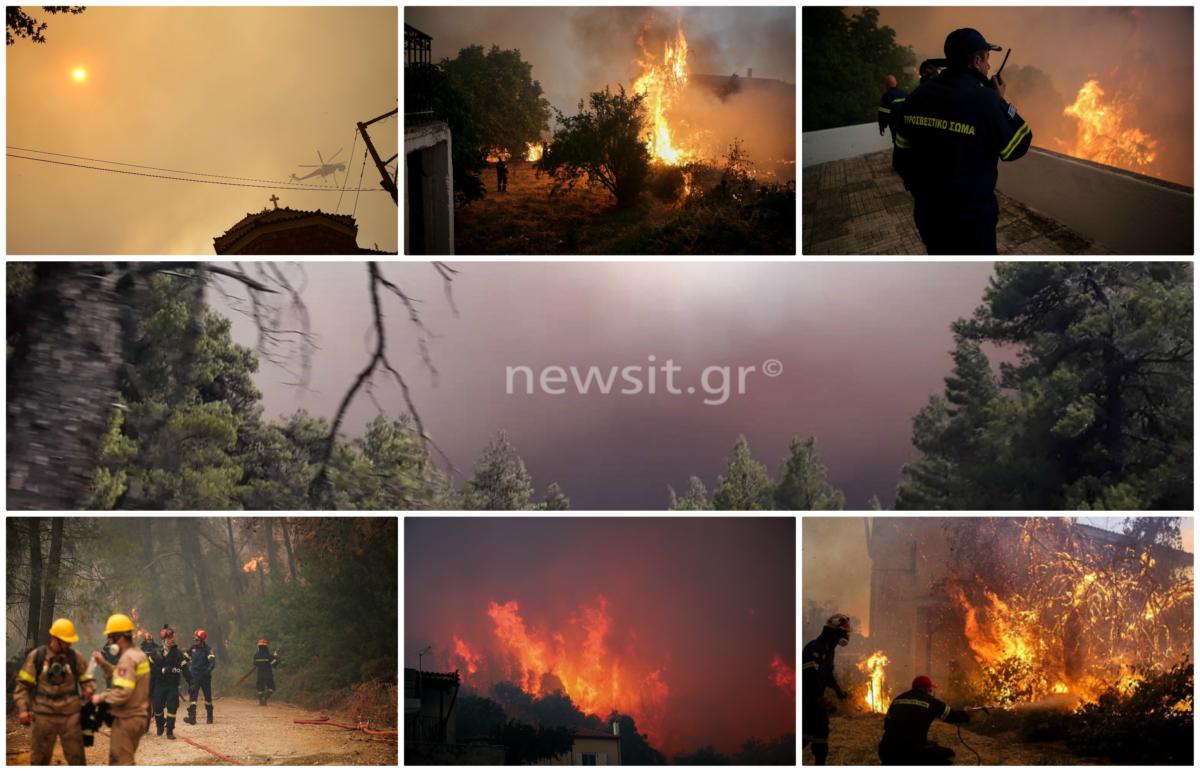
[362, 169]
[346, 177]
[281, 186]
[161, 169]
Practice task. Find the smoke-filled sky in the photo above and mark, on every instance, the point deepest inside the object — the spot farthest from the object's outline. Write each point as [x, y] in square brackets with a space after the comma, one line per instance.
[862, 346]
[575, 51]
[694, 612]
[240, 92]
[1142, 57]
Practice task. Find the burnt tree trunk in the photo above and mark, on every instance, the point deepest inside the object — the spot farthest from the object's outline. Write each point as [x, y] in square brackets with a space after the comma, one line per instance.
[35, 582]
[287, 543]
[53, 564]
[235, 572]
[62, 382]
[272, 549]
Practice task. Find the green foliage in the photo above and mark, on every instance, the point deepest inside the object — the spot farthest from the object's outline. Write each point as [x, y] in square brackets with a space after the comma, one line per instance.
[635, 746]
[603, 144]
[110, 480]
[452, 104]
[802, 484]
[1096, 411]
[845, 61]
[505, 102]
[500, 481]
[744, 484]
[694, 499]
[706, 756]
[555, 500]
[478, 717]
[1152, 725]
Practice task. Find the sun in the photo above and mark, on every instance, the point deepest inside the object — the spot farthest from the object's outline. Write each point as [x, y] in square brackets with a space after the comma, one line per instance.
[79, 75]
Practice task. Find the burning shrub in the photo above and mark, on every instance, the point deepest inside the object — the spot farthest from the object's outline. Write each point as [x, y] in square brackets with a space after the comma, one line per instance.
[667, 183]
[1150, 723]
[603, 145]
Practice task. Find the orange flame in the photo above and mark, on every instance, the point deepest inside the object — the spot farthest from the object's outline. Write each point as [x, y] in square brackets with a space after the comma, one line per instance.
[533, 151]
[783, 675]
[878, 695]
[661, 82]
[470, 659]
[254, 563]
[579, 663]
[1101, 135]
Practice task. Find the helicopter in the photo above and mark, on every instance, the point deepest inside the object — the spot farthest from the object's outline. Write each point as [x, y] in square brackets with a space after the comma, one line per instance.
[324, 169]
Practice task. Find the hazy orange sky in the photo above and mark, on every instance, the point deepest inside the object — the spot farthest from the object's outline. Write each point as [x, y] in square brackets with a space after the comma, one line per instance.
[242, 92]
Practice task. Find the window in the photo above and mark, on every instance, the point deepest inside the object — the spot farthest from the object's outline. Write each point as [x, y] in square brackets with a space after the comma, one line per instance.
[589, 759]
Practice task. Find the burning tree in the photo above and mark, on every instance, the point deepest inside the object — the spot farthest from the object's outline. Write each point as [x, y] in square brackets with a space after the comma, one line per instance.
[1051, 611]
[603, 145]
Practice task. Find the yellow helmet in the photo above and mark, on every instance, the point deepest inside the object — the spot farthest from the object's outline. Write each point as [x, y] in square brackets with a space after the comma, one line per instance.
[118, 623]
[64, 630]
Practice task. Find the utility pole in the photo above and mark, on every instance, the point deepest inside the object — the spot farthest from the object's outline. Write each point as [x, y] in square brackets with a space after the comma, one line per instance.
[385, 179]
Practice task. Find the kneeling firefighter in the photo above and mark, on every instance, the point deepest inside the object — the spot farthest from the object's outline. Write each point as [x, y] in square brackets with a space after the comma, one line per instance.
[906, 727]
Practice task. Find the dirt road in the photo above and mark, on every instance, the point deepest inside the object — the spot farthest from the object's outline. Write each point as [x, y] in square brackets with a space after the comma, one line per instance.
[242, 731]
[855, 740]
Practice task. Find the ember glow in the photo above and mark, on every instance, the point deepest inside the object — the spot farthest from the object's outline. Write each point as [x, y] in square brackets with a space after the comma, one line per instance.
[644, 617]
[663, 79]
[1104, 134]
[878, 694]
[783, 675]
[533, 151]
[254, 563]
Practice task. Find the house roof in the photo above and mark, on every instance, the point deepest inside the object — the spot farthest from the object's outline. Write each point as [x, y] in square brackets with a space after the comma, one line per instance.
[596, 733]
[429, 679]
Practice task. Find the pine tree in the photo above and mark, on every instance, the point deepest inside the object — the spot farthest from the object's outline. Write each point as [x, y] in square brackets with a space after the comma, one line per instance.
[694, 499]
[745, 484]
[802, 483]
[500, 481]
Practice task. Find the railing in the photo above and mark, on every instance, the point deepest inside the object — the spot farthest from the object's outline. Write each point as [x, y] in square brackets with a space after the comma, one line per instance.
[422, 728]
[418, 76]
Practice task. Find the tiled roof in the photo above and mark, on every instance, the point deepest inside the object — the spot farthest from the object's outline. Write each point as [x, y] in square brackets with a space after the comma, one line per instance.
[283, 214]
[596, 733]
[858, 206]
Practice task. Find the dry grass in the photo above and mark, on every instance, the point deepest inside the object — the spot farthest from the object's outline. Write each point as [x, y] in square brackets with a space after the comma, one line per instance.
[854, 740]
[373, 702]
[526, 220]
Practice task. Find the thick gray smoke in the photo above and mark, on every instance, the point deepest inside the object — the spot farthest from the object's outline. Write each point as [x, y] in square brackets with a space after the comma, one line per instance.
[836, 572]
[1141, 56]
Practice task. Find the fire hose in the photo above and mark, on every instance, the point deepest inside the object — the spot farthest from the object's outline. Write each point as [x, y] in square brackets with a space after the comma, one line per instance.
[326, 721]
[221, 756]
[978, 758]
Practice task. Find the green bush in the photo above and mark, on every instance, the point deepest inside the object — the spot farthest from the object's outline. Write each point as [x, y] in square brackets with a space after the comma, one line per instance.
[1152, 725]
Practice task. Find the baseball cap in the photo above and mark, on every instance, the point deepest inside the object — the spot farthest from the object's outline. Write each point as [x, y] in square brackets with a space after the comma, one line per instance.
[961, 43]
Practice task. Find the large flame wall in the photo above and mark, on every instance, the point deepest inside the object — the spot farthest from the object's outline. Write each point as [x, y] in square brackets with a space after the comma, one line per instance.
[688, 625]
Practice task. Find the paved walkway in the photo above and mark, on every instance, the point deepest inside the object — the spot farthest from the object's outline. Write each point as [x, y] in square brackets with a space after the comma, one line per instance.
[858, 206]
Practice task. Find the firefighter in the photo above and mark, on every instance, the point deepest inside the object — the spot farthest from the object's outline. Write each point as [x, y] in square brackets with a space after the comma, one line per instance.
[168, 664]
[818, 676]
[264, 660]
[892, 97]
[906, 727]
[54, 676]
[129, 699]
[501, 176]
[955, 128]
[199, 661]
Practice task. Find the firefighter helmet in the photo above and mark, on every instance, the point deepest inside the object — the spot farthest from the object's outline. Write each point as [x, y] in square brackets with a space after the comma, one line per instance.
[262, 641]
[839, 622]
[201, 635]
[924, 682]
[166, 632]
[63, 630]
[118, 623]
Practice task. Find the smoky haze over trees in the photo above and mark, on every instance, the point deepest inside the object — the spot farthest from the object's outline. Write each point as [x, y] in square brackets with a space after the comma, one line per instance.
[240, 579]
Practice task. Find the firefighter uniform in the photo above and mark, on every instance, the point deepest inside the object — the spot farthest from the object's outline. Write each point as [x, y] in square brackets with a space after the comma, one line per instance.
[129, 702]
[51, 696]
[199, 661]
[264, 660]
[167, 665]
[816, 676]
[906, 730]
[954, 130]
[888, 103]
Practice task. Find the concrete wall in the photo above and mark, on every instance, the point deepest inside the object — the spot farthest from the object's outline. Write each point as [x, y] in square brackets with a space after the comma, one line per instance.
[1129, 213]
[818, 147]
[432, 142]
